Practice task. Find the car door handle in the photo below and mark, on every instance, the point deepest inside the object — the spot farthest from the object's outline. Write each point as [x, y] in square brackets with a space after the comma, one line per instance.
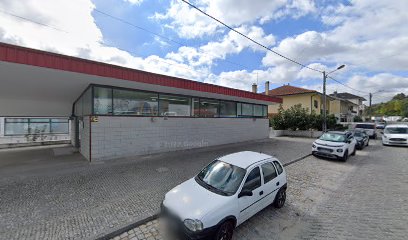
[277, 184]
[261, 193]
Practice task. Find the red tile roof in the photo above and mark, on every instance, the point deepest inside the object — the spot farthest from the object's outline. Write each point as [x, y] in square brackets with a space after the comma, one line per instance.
[289, 90]
[33, 57]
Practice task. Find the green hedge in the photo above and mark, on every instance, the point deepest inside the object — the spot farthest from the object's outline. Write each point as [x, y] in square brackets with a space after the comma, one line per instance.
[298, 118]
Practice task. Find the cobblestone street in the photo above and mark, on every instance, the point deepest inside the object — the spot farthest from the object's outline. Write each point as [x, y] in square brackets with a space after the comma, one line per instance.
[73, 199]
[364, 198]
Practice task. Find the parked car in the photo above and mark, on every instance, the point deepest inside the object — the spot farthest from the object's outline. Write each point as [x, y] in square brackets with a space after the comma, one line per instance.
[369, 128]
[362, 139]
[334, 144]
[223, 195]
[380, 125]
[396, 134]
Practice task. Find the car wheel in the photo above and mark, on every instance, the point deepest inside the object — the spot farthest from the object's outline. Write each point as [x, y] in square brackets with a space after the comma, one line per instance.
[354, 151]
[225, 231]
[280, 198]
[345, 156]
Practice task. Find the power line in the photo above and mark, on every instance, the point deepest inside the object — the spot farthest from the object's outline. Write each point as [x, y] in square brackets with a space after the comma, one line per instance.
[346, 85]
[250, 39]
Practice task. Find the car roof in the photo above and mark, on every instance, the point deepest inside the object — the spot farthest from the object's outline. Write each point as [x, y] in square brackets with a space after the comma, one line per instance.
[244, 159]
[337, 132]
[397, 125]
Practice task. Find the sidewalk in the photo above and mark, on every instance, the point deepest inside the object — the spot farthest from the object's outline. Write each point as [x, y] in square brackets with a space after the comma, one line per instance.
[90, 201]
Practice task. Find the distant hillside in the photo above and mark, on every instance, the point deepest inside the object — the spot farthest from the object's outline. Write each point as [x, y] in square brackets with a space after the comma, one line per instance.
[397, 106]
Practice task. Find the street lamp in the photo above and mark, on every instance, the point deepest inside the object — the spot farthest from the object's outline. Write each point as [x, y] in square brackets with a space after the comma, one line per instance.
[324, 95]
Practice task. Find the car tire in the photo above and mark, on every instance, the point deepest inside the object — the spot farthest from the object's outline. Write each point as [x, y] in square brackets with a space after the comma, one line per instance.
[225, 231]
[354, 151]
[345, 156]
[280, 198]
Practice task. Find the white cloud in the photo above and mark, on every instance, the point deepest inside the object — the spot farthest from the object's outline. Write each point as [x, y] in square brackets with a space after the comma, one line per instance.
[189, 23]
[231, 43]
[136, 2]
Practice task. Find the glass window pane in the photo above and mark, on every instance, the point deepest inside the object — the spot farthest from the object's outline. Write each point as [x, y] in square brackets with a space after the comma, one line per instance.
[58, 126]
[17, 128]
[278, 167]
[16, 120]
[39, 120]
[228, 109]
[209, 108]
[59, 120]
[87, 102]
[265, 111]
[258, 110]
[239, 109]
[269, 172]
[38, 128]
[171, 105]
[196, 107]
[247, 109]
[126, 102]
[102, 101]
[253, 180]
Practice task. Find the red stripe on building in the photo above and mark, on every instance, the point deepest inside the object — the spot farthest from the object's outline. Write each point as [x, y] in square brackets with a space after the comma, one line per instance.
[33, 57]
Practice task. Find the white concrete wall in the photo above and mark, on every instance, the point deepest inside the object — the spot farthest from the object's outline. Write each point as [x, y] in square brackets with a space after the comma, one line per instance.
[115, 137]
[84, 137]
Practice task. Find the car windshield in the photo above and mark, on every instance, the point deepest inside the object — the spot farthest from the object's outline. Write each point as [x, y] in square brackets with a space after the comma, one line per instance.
[333, 137]
[222, 176]
[365, 126]
[396, 130]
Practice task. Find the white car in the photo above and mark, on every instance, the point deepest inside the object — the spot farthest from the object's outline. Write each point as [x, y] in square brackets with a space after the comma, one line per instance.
[369, 128]
[333, 144]
[223, 195]
[395, 135]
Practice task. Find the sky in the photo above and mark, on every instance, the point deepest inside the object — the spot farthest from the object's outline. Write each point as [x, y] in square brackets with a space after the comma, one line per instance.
[171, 38]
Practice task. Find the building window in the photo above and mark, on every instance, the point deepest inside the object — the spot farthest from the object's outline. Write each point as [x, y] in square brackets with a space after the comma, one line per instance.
[258, 110]
[209, 108]
[102, 101]
[315, 103]
[35, 126]
[265, 111]
[239, 109]
[228, 109]
[127, 102]
[196, 107]
[247, 109]
[171, 105]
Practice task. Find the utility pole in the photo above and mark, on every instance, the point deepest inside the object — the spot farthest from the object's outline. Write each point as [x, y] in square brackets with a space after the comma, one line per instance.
[371, 97]
[324, 96]
[324, 102]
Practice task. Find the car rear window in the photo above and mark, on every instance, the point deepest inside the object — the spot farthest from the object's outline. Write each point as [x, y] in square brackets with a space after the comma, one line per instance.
[365, 126]
[278, 167]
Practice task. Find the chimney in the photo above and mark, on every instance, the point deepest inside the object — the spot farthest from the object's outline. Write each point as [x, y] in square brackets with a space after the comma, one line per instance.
[254, 88]
[335, 93]
[267, 88]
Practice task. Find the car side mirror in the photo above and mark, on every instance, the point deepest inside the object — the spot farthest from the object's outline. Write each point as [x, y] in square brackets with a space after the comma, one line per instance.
[244, 193]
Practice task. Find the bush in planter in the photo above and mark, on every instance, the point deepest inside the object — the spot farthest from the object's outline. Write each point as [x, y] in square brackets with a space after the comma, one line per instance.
[297, 118]
[277, 122]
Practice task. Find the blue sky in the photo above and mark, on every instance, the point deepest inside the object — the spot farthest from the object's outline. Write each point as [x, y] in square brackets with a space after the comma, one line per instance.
[321, 34]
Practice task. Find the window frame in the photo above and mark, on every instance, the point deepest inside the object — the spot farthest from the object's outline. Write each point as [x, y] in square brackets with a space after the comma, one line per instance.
[276, 164]
[246, 178]
[112, 88]
[29, 121]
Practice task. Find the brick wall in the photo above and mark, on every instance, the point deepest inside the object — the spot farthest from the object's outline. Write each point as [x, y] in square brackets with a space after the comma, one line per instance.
[115, 137]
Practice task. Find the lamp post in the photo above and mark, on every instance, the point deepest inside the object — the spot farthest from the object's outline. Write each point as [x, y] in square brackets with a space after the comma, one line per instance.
[324, 95]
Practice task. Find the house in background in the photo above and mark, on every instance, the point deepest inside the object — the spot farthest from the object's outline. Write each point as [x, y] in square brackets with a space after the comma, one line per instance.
[291, 96]
[358, 108]
[342, 109]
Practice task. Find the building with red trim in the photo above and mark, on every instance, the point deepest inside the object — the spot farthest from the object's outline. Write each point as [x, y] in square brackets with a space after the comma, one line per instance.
[119, 112]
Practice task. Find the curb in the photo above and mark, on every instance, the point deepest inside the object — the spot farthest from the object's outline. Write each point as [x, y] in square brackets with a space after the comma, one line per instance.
[151, 218]
[128, 228]
[297, 160]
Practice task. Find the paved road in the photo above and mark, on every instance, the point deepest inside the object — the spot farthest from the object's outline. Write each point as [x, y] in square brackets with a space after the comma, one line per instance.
[364, 198]
[54, 198]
